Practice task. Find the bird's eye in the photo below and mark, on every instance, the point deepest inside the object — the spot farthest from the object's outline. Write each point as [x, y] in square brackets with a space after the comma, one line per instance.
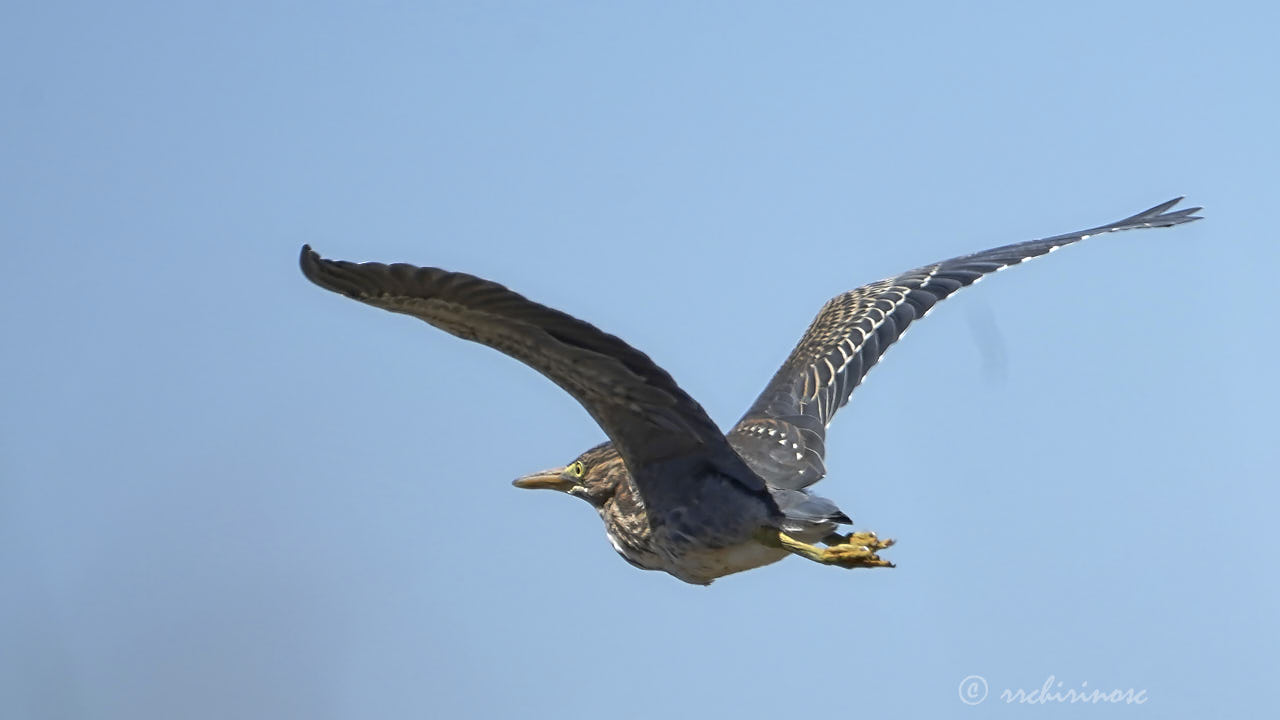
[577, 468]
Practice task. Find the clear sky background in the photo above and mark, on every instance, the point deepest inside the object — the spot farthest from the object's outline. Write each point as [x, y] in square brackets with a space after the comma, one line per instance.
[225, 493]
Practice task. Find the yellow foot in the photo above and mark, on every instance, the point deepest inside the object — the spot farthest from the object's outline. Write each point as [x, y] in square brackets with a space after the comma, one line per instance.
[854, 550]
[858, 551]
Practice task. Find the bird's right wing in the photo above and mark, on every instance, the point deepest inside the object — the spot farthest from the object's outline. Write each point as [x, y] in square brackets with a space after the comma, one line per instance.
[782, 436]
[651, 421]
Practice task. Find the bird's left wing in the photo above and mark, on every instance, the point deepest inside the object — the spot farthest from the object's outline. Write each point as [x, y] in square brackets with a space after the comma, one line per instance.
[651, 421]
[782, 436]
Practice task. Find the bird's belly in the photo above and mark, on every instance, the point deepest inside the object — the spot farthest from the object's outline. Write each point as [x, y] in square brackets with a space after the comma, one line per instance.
[702, 565]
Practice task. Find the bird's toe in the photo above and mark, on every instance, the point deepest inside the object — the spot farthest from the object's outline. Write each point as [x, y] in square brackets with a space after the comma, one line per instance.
[859, 551]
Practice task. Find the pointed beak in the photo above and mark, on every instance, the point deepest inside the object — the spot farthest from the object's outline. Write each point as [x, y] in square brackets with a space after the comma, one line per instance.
[552, 479]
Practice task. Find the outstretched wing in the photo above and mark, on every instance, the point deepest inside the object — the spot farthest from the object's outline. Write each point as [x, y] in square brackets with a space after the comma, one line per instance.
[782, 435]
[651, 421]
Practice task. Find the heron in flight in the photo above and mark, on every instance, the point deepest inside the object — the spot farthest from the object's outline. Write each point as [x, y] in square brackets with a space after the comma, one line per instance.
[675, 493]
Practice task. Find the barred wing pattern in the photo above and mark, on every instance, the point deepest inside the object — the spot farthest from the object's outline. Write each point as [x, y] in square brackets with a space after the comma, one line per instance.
[651, 421]
[782, 436]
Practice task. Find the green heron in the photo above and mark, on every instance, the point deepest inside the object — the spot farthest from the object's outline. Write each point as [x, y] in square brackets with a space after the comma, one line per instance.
[674, 492]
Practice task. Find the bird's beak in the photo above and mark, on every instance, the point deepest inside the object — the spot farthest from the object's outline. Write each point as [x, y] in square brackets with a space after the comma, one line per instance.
[552, 479]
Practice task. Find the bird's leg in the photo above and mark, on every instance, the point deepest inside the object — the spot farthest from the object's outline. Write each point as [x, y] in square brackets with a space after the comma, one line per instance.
[852, 551]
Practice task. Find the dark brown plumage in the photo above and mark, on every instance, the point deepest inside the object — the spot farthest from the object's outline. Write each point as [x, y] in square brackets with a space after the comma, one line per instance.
[674, 493]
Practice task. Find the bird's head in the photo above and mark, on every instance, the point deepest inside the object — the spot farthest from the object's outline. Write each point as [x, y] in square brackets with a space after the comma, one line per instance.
[592, 476]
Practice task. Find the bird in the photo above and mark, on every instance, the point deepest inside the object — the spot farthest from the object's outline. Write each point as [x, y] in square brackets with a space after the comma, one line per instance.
[677, 494]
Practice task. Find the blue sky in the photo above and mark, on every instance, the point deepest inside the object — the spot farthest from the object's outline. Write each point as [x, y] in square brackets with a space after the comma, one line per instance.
[227, 493]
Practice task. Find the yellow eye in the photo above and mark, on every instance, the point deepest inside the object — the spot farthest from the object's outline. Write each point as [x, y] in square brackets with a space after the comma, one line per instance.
[577, 469]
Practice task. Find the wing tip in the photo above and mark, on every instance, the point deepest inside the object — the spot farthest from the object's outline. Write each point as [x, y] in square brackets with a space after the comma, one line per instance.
[333, 275]
[1162, 215]
[309, 262]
